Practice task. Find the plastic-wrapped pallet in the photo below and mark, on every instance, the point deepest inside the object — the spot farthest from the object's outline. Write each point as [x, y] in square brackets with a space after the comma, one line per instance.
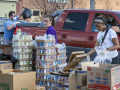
[23, 50]
[61, 56]
[46, 58]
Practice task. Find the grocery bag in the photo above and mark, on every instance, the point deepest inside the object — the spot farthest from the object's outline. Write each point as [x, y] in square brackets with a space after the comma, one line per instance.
[102, 58]
[27, 13]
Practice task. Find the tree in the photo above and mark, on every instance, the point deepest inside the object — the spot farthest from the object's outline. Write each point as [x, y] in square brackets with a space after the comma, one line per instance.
[81, 4]
[108, 5]
[47, 8]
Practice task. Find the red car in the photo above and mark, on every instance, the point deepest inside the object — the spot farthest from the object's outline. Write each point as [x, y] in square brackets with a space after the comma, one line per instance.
[75, 27]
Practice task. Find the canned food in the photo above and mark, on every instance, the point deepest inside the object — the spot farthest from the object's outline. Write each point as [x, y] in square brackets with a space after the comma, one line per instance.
[30, 50]
[30, 55]
[27, 68]
[40, 44]
[30, 37]
[30, 43]
[21, 62]
[25, 63]
[18, 31]
[18, 43]
[20, 56]
[25, 37]
[30, 68]
[30, 62]
[22, 37]
[24, 56]
[27, 55]
[26, 50]
[23, 44]
[21, 68]
[26, 43]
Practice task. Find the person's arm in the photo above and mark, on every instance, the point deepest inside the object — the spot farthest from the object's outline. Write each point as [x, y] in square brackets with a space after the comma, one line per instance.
[116, 44]
[92, 51]
[19, 15]
[9, 27]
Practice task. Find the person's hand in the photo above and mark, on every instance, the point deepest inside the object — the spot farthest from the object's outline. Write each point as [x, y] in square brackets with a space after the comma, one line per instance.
[17, 23]
[104, 51]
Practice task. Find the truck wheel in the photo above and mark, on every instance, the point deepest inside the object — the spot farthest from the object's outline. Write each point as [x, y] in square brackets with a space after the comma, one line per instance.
[1, 38]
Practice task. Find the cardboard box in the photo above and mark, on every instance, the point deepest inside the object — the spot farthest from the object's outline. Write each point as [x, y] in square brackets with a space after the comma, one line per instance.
[17, 80]
[73, 54]
[66, 87]
[40, 87]
[6, 49]
[79, 77]
[75, 62]
[6, 64]
[103, 76]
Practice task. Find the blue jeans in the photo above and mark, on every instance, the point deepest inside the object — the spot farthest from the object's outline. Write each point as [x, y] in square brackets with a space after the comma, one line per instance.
[7, 41]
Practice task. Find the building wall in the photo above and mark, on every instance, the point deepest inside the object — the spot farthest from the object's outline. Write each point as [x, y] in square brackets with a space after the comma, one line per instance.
[100, 4]
[6, 7]
[19, 6]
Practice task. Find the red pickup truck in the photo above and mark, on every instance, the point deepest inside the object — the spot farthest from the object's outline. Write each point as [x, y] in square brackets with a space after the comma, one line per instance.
[75, 27]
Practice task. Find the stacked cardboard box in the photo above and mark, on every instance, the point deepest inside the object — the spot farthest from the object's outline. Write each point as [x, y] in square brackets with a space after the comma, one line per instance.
[78, 75]
[103, 76]
[5, 64]
[12, 79]
[23, 51]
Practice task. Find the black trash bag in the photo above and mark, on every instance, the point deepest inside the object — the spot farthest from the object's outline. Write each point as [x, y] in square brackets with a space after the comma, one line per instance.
[27, 13]
[8, 57]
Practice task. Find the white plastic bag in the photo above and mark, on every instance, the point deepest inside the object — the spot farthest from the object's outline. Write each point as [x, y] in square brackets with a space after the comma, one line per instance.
[102, 58]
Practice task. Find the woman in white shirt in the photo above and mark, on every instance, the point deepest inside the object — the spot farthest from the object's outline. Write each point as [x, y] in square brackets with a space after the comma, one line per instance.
[107, 39]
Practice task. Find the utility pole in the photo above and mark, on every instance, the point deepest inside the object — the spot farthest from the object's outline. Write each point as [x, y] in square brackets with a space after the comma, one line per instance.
[92, 4]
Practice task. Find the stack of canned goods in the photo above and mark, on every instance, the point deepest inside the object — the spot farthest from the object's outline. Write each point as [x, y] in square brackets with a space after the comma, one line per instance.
[41, 83]
[52, 84]
[24, 62]
[45, 44]
[45, 70]
[40, 63]
[50, 50]
[47, 62]
[18, 49]
[52, 81]
[22, 37]
[25, 68]
[61, 47]
[51, 89]
[22, 56]
[22, 43]
[46, 57]
[63, 79]
[23, 51]
[61, 56]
